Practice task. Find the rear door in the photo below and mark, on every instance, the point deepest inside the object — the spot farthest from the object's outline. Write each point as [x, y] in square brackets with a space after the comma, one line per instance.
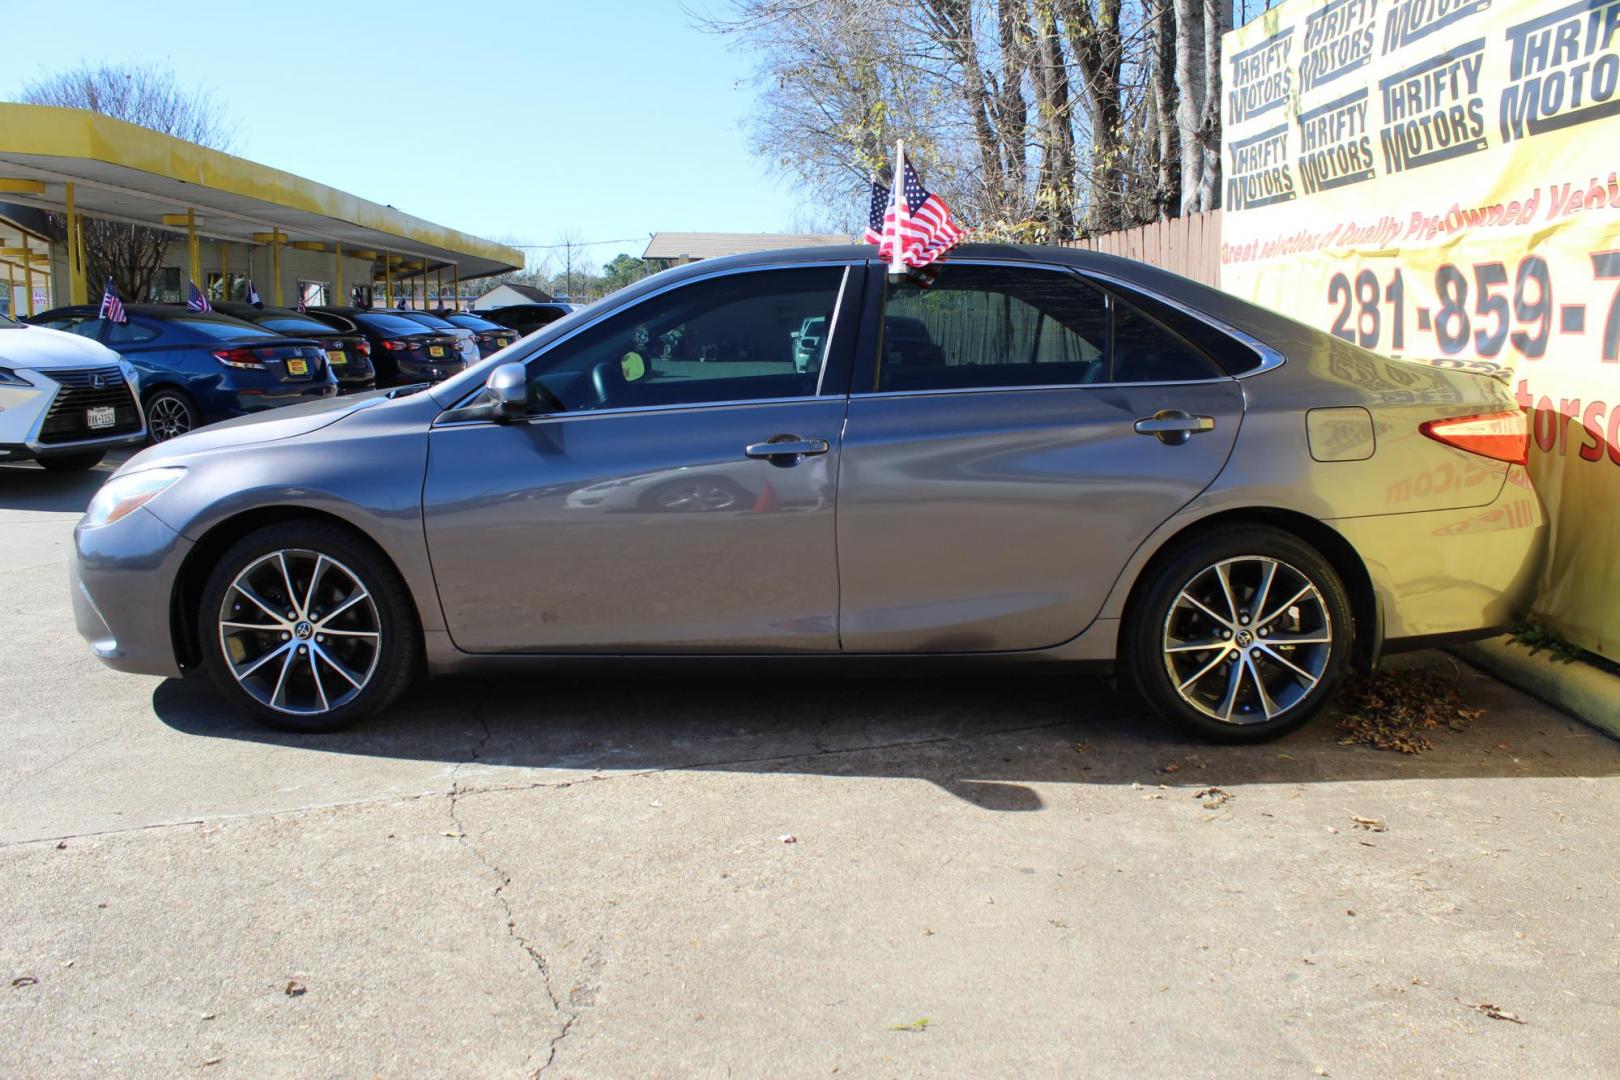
[1008, 446]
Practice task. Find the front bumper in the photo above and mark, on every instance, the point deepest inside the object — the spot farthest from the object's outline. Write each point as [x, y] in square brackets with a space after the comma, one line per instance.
[44, 419]
[122, 578]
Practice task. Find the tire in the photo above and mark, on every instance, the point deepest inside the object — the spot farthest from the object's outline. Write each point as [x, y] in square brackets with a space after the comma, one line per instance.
[170, 414]
[73, 462]
[291, 675]
[1216, 691]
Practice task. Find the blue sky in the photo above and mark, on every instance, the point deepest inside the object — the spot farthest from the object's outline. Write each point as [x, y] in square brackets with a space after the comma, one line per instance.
[612, 119]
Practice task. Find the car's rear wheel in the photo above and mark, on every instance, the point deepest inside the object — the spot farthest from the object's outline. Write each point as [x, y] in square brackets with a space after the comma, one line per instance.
[1241, 635]
[73, 462]
[169, 414]
[308, 627]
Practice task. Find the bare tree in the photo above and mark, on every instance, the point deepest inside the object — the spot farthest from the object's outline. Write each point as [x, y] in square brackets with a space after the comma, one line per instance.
[144, 94]
[1199, 26]
[1035, 119]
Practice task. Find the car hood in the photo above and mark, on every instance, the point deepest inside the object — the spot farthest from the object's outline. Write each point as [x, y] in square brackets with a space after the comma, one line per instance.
[270, 426]
[39, 348]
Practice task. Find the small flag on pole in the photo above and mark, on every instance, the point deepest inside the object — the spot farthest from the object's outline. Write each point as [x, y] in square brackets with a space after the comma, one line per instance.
[196, 301]
[916, 227]
[302, 306]
[876, 211]
[112, 305]
[253, 294]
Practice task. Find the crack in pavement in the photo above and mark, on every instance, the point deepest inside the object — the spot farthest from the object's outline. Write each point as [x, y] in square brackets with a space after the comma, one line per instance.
[454, 797]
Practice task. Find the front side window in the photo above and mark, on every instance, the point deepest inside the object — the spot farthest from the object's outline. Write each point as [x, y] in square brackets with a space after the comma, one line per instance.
[985, 326]
[737, 337]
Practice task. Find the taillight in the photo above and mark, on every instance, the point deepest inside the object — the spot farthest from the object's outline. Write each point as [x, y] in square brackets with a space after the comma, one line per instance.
[1503, 436]
[392, 345]
[363, 347]
[240, 358]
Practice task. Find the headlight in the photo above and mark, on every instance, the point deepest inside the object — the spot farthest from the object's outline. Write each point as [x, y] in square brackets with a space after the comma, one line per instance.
[9, 377]
[123, 495]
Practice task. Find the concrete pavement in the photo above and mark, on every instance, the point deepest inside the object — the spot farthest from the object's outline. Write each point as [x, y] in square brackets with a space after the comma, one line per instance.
[773, 873]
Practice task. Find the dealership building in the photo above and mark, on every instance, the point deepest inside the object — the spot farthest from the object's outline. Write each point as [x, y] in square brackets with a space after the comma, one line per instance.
[65, 172]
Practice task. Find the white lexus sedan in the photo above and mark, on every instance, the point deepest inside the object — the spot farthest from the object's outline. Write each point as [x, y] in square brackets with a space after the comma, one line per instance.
[65, 400]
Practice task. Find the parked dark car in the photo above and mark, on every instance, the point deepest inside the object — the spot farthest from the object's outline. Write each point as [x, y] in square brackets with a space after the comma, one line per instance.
[527, 318]
[196, 368]
[466, 344]
[490, 336]
[402, 350]
[349, 354]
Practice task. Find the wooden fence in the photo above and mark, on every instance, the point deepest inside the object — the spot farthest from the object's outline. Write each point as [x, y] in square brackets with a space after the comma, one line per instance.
[1190, 246]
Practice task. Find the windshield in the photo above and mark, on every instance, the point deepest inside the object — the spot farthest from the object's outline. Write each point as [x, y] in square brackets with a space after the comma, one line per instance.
[390, 324]
[220, 329]
[296, 325]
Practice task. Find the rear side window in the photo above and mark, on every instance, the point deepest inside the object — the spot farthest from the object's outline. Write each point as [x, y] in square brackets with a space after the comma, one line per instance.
[1144, 351]
[990, 326]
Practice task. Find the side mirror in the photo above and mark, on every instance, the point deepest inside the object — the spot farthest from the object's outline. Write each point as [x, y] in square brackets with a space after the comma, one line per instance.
[508, 387]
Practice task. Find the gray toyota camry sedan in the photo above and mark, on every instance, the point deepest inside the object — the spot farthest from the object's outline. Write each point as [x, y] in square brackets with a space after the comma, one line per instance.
[1041, 454]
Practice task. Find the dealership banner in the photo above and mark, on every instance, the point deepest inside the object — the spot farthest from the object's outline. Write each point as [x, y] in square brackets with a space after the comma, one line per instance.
[1437, 180]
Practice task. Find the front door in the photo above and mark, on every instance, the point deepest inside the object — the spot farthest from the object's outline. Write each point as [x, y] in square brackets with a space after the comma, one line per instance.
[995, 477]
[674, 489]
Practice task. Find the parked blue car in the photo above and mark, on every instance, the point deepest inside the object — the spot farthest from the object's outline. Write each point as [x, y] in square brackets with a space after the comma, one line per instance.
[195, 368]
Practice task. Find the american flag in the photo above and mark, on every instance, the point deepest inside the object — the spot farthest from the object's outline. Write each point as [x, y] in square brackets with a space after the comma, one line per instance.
[923, 227]
[876, 212]
[302, 306]
[197, 301]
[112, 305]
[253, 294]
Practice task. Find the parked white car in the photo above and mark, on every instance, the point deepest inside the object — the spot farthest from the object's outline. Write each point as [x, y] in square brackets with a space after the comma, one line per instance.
[64, 400]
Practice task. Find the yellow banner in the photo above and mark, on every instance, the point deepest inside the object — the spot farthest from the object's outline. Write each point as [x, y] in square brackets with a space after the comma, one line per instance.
[1436, 179]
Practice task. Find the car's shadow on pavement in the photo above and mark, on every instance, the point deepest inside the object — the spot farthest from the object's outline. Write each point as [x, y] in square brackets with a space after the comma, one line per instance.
[985, 735]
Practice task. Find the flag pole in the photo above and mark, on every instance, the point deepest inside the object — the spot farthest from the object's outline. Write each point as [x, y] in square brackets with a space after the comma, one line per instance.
[897, 195]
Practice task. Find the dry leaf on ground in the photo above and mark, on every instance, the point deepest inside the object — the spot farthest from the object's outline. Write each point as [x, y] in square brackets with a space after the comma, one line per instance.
[1398, 710]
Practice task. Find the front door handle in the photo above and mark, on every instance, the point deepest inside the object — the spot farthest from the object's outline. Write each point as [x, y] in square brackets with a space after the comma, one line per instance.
[785, 450]
[1174, 427]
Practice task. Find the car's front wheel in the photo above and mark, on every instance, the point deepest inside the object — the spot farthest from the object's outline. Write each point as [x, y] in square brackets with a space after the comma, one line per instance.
[170, 414]
[1241, 635]
[308, 627]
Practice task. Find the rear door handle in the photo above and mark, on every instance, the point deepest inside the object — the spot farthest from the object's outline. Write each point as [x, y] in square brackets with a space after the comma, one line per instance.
[1174, 427]
[787, 449]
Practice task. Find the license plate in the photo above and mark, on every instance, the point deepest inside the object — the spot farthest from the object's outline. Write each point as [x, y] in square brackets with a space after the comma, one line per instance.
[337, 358]
[435, 350]
[503, 342]
[297, 367]
[101, 416]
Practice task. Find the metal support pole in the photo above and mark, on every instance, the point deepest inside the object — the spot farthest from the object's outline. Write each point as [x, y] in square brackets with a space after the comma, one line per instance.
[78, 293]
[193, 250]
[455, 269]
[224, 270]
[11, 287]
[28, 275]
[388, 281]
[275, 264]
[337, 286]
